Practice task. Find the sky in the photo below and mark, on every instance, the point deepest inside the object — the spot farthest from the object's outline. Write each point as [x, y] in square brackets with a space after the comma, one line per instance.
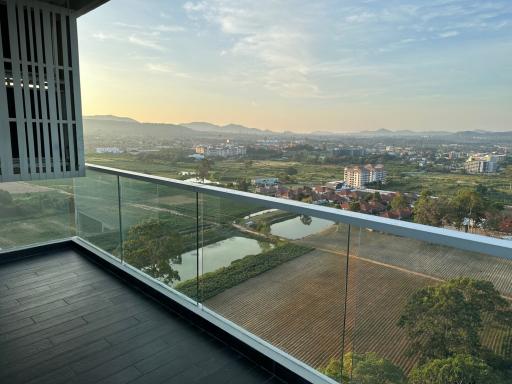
[302, 65]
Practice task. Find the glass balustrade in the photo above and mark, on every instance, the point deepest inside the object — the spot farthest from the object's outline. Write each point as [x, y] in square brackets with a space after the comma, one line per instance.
[36, 212]
[341, 299]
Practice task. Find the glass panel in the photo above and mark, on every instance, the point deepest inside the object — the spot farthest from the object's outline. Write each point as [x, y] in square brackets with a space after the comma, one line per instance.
[279, 275]
[421, 306]
[160, 232]
[97, 209]
[36, 212]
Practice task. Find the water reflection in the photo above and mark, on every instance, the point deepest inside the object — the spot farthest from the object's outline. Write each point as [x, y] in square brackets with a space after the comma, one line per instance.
[218, 255]
[299, 227]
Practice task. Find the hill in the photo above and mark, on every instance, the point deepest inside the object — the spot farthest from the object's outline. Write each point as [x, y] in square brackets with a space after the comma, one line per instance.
[229, 128]
[120, 126]
[111, 118]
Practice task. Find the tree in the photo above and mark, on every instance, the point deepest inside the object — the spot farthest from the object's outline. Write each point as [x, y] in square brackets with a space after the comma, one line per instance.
[263, 226]
[291, 171]
[446, 319]
[248, 164]
[377, 197]
[481, 189]
[466, 204]
[305, 219]
[498, 221]
[204, 168]
[367, 368]
[428, 211]
[243, 185]
[399, 202]
[506, 225]
[354, 206]
[458, 369]
[151, 246]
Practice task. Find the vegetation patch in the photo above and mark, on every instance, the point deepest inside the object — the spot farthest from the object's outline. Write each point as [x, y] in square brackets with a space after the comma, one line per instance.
[213, 283]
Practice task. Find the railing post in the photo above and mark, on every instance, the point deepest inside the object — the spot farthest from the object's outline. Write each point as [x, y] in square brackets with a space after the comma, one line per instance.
[121, 241]
[75, 208]
[197, 247]
[345, 301]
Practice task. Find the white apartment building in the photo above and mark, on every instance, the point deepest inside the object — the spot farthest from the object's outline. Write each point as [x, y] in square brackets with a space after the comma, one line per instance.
[224, 150]
[481, 164]
[112, 150]
[359, 176]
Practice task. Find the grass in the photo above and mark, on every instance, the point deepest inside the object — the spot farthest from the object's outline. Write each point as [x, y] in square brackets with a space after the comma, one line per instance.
[226, 171]
[402, 177]
[447, 184]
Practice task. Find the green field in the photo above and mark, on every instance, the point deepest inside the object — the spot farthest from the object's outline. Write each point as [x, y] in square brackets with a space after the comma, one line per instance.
[446, 184]
[226, 171]
[97, 195]
[401, 177]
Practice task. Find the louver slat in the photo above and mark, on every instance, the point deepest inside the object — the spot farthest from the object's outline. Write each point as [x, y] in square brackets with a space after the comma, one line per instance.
[41, 134]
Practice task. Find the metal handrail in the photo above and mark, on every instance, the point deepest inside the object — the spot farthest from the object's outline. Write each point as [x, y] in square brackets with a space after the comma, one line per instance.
[465, 241]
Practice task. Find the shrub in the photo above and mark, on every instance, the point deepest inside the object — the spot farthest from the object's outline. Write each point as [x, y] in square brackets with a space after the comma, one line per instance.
[213, 283]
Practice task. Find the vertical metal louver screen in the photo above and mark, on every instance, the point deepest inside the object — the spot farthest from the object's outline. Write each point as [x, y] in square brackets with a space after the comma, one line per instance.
[41, 134]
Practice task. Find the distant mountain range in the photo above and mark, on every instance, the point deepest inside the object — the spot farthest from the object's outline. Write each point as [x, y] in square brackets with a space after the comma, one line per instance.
[123, 126]
[111, 118]
[126, 126]
[229, 128]
[389, 133]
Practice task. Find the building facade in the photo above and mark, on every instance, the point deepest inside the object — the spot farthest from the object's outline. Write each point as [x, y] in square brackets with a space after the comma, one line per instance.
[224, 150]
[481, 164]
[359, 176]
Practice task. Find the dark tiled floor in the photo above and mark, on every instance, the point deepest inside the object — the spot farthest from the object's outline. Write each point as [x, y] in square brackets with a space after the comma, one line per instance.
[65, 320]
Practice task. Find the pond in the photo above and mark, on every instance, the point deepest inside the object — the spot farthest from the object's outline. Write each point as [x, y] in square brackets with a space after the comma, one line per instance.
[294, 229]
[218, 255]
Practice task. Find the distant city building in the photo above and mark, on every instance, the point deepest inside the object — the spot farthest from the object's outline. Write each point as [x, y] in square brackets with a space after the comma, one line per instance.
[359, 176]
[335, 185]
[113, 150]
[349, 151]
[452, 155]
[222, 150]
[265, 181]
[481, 164]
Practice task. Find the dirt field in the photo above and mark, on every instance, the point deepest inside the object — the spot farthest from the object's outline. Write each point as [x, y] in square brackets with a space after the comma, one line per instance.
[299, 306]
[416, 256]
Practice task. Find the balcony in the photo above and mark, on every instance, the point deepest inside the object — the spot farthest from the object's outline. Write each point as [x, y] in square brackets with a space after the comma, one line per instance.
[123, 277]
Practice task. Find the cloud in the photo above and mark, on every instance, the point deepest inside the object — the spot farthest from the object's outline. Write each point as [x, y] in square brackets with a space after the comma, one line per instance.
[360, 17]
[447, 34]
[158, 68]
[320, 49]
[190, 6]
[136, 39]
[265, 34]
[151, 29]
[147, 37]
[144, 42]
[103, 36]
[168, 28]
[166, 69]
